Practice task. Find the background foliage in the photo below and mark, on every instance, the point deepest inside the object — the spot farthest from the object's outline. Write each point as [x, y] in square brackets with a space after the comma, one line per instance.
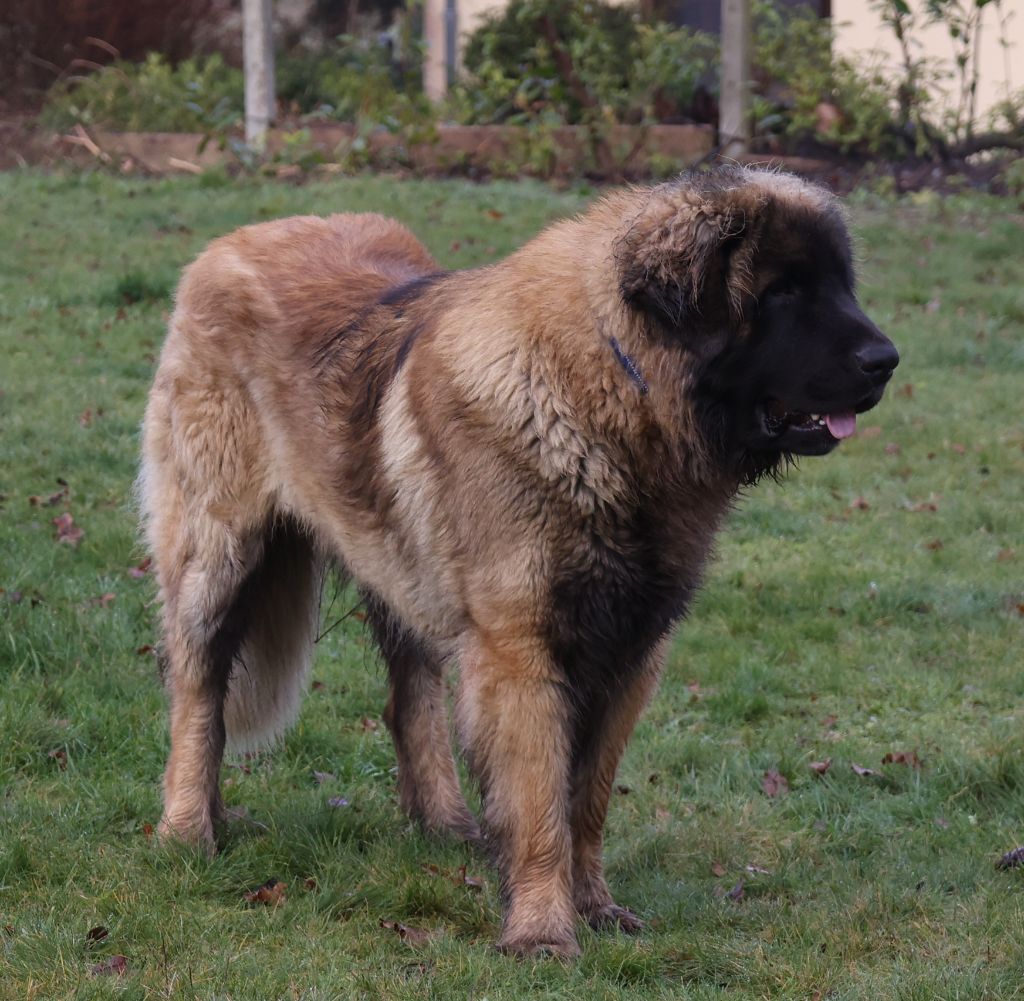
[551, 62]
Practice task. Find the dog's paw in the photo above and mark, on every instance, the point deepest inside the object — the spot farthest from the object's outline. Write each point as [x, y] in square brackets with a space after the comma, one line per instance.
[544, 946]
[192, 832]
[608, 916]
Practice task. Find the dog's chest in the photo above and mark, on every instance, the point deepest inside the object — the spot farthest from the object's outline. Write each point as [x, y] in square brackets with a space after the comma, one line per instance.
[614, 596]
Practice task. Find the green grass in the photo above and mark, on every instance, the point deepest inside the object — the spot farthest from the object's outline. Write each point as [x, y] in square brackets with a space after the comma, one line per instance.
[843, 618]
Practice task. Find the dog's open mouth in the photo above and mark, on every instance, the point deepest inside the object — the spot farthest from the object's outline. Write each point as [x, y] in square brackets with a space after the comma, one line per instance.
[778, 418]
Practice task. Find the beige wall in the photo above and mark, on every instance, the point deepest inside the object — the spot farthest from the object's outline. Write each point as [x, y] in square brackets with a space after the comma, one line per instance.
[860, 33]
[472, 11]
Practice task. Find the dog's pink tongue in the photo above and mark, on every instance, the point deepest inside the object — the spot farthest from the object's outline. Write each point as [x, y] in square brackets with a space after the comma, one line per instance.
[841, 425]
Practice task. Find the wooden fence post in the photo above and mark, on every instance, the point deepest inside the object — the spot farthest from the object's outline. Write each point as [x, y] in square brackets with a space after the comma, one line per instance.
[734, 114]
[258, 62]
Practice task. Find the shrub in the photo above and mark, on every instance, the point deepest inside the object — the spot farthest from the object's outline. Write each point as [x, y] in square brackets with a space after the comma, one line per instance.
[196, 95]
[575, 61]
[353, 78]
[796, 71]
[578, 61]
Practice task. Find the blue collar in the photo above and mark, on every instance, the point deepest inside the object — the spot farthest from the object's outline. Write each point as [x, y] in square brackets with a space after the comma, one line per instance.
[629, 365]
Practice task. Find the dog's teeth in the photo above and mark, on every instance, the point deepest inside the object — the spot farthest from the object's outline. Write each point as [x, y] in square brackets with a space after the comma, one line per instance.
[821, 422]
[814, 417]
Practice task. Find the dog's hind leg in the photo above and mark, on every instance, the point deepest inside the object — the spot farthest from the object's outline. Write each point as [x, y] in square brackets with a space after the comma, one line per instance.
[239, 585]
[204, 621]
[601, 737]
[417, 716]
[239, 627]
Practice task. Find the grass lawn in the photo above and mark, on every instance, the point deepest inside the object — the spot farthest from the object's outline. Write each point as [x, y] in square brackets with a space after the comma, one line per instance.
[871, 605]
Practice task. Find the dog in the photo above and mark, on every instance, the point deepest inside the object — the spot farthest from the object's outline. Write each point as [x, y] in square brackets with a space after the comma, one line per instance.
[521, 466]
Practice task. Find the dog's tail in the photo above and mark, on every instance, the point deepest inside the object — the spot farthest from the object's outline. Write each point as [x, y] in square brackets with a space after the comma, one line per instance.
[281, 601]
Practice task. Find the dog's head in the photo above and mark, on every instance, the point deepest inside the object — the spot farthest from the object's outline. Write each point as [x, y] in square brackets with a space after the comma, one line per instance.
[750, 274]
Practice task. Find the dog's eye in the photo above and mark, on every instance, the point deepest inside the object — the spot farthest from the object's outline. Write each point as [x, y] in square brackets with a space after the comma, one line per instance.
[782, 288]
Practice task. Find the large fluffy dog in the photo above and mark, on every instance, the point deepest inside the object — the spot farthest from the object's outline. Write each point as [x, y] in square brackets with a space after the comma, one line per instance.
[522, 467]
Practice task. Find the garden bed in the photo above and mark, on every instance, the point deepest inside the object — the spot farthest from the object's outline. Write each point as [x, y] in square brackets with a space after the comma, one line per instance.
[562, 151]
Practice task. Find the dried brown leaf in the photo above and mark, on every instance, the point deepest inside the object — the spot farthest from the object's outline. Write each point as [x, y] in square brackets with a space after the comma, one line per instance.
[141, 570]
[861, 770]
[337, 802]
[53, 499]
[820, 767]
[270, 893]
[737, 893]
[67, 530]
[1012, 859]
[322, 777]
[407, 933]
[717, 869]
[908, 758]
[473, 882]
[774, 783]
[116, 965]
[60, 756]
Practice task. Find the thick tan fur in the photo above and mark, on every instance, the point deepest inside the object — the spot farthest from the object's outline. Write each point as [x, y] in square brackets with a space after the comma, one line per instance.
[446, 446]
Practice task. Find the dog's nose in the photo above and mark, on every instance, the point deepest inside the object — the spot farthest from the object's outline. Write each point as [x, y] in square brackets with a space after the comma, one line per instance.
[878, 358]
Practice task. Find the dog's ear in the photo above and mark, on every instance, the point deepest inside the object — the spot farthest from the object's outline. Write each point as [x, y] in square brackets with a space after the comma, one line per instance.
[688, 253]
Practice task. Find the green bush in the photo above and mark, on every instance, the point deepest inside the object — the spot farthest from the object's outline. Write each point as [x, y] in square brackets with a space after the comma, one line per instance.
[615, 67]
[196, 95]
[575, 61]
[796, 70]
[354, 79]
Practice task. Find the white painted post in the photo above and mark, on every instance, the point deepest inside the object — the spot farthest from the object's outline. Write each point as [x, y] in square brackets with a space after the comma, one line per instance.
[734, 113]
[258, 62]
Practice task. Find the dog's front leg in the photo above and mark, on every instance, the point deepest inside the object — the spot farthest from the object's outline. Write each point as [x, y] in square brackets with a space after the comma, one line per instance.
[513, 719]
[600, 741]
